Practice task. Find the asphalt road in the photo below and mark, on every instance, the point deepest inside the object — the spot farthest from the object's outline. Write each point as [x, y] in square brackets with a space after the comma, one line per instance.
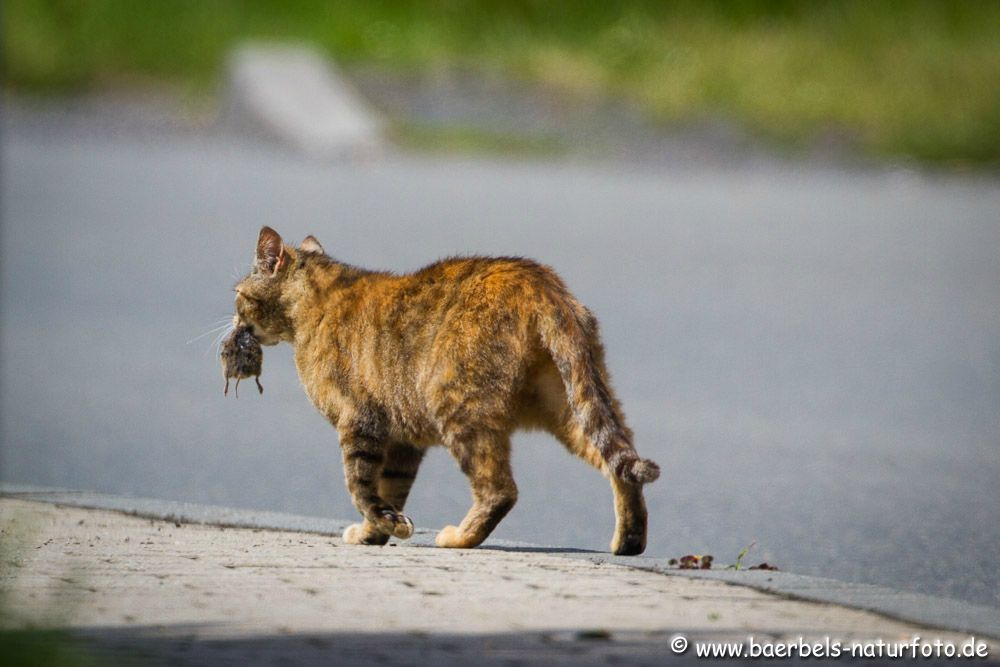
[811, 354]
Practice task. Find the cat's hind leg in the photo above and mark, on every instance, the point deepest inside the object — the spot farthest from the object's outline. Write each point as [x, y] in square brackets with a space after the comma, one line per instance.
[548, 408]
[398, 472]
[484, 457]
[364, 460]
[630, 506]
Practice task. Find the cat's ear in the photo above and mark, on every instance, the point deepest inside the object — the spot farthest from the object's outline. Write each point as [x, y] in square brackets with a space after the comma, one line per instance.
[310, 244]
[271, 255]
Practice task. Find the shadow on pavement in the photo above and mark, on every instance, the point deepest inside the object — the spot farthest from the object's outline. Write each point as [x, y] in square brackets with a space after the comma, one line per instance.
[182, 645]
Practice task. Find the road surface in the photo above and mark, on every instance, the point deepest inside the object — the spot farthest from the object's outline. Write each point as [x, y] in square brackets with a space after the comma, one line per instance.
[811, 354]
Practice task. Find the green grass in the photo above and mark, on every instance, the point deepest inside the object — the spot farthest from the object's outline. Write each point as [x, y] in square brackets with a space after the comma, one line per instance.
[462, 139]
[917, 78]
[45, 648]
[31, 646]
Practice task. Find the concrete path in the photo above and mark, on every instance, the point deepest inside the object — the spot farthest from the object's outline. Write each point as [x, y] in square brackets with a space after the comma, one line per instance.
[200, 594]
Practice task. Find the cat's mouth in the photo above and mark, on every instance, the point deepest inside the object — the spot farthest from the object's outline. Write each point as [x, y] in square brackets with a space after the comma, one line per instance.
[255, 331]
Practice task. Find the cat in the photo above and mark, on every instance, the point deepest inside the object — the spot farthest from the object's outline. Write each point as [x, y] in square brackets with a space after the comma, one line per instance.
[462, 353]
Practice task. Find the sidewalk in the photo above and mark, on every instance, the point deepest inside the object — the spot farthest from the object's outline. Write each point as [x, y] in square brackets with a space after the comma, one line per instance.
[183, 593]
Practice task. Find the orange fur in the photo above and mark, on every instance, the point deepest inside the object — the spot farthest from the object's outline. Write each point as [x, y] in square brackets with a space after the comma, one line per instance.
[461, 353]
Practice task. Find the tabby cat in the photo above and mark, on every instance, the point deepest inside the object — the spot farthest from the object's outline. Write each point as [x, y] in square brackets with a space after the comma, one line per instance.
[461, 353]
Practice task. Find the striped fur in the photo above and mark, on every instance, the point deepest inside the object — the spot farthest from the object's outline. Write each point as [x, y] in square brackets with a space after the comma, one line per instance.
[461, 353]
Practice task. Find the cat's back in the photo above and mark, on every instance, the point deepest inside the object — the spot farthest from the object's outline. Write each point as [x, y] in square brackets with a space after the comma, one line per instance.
[496, 277]
[459, 301]
[467, 287]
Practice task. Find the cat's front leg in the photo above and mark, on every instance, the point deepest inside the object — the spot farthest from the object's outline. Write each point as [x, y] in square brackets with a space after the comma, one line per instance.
[364, 533]
[398, 472]
[364, 458]
[402, 462]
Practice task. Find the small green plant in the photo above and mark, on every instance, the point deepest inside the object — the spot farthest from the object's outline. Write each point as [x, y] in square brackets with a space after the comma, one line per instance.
[738, 565]
[704, 562]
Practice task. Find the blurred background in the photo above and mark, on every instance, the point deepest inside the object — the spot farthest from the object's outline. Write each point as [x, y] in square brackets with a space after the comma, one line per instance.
[785, 214]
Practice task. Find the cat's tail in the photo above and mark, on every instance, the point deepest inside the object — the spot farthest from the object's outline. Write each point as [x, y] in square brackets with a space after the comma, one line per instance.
[569, 331]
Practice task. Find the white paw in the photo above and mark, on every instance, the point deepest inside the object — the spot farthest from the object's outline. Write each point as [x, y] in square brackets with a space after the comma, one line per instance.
[354, 534]
[449, 538]
[403, 528]
[395, 524]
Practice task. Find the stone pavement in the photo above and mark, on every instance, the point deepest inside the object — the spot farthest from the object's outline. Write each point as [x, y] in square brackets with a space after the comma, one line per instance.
[178, 593]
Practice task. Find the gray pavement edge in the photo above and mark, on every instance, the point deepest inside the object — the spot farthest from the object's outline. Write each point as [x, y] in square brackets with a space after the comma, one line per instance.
[933, 612]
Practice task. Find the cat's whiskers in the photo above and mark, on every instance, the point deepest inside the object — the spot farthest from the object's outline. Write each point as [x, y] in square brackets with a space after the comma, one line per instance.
[221, 337]
[222, 324]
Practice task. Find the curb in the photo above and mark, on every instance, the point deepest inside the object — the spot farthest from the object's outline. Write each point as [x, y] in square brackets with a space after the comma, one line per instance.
[933, 612]
[293, 94]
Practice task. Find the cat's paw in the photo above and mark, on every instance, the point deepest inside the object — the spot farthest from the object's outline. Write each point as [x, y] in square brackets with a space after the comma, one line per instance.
[629, 544]
[395, 524]
[450, 537]
[360, 533]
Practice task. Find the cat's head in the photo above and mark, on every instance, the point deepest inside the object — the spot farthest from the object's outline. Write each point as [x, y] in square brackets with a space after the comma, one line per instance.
[264, 295]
